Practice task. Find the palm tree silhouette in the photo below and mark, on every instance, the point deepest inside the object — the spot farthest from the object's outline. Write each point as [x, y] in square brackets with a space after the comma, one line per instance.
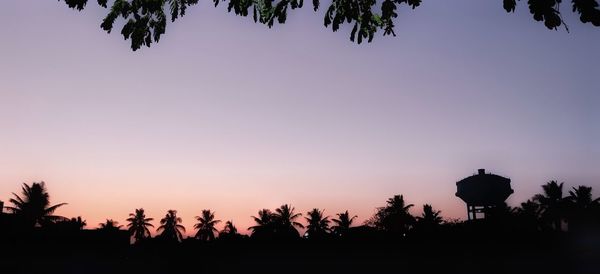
[206, 226]
[78, 222]
[318, 225]
[229, 228]
[34, 205]
[138, 225]
[580, 206]
[430, 217]
[342, 223]
[581, 197]
[394, 217]
[285, 222]
[229, 232]
[428, 224]
[170, 227]
[264, 224]
[109, 225]
[285, 216]
[529, 208]
[529, 215]
[552, 203]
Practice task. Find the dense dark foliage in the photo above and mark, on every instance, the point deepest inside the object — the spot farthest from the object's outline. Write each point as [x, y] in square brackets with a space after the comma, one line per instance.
[146, 20]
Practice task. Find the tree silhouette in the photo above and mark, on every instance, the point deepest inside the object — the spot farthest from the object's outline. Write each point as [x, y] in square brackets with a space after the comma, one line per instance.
[501, 217]
[264, 224]
[285, 216]
[430, 217]
[581, 197]
[33, 207]
[529, 215]
[139, 225]
[285, 222]
[280, 224]
[229, 232]
[394, 217]
[229, 229]
[580, 207]
[109, 225]
[206, 226]
[483, 243]
[170, 227]
[552, 203]
[69, 225]
[342, 224]
[318, 225]
[146, 21]
[428, 224]
[78, 222]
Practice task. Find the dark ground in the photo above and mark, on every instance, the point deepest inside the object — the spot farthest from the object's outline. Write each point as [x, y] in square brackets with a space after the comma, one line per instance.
[564, 254]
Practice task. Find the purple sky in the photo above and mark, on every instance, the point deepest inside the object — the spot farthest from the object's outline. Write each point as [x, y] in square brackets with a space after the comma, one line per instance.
[232, 116]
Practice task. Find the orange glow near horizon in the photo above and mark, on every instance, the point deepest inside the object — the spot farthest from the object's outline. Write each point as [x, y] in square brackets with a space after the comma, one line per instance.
[99, 199]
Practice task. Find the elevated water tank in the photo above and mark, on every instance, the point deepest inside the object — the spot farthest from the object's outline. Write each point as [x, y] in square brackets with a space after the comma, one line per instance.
[482, 191]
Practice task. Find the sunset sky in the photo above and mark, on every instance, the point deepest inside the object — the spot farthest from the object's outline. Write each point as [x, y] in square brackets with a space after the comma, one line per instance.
[229, 115]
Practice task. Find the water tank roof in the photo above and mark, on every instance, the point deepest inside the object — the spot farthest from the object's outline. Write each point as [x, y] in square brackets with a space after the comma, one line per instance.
[484, 189]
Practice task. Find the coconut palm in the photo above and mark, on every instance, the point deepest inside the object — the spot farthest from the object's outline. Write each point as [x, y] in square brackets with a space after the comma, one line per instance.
[78, 222]
[430, 217]
[318, 225]
[139, 225]
[342, 223]
[229, 232]
[170, 227]
[394, 217]
[206, 226]
[229, 229]
[427, 225]
[109, 225]
[285, 222]
[34, 205]
[286, 217]
[529, 215]
[580, 206]
[552, 203]
[530, 209]
[581, 197]
[264, 224]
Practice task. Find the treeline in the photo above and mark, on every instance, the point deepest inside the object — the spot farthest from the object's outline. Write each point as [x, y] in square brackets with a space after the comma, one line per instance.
[553, 210]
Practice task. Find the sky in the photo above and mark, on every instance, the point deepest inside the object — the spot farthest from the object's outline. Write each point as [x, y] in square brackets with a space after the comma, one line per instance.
[228, 115]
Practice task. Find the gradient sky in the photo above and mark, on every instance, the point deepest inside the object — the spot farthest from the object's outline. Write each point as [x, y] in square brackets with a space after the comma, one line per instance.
[228, 115]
